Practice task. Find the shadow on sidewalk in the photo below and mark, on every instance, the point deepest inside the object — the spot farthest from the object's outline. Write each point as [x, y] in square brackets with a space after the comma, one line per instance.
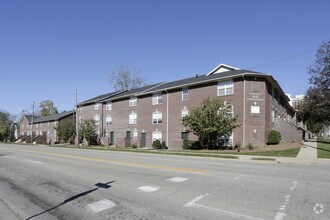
[316, 147]
[99, 185]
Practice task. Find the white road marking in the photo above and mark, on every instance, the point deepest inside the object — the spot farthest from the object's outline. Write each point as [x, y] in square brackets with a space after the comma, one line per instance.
[295, 183]
[193, 203]
[101, 205]
[299, 174]
[318, 209]
[177, 179]
[149, 189]
[279, 216]
[238, 177]
[33, 161]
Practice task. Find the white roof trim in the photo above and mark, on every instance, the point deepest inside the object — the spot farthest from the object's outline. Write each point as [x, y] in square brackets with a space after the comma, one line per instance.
[224, 66]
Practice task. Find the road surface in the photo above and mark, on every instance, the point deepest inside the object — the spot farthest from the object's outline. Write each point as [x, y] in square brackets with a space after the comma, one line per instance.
[41, 182]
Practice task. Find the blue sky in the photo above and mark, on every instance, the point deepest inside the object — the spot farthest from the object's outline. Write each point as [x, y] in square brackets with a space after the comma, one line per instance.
[48, 49]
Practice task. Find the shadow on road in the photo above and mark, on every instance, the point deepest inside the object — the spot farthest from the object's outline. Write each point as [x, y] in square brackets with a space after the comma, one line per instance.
[99, 185]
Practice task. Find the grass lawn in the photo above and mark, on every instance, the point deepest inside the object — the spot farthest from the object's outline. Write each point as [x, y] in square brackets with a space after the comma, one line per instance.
[274, 151]
[323, 150]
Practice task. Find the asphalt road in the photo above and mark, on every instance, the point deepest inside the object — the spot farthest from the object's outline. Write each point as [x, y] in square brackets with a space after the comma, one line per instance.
[41, 182]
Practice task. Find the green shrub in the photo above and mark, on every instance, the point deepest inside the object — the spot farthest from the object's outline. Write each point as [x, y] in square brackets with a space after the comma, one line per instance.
[156, 144]
[134, 145]
[274, 137]
[191, 145]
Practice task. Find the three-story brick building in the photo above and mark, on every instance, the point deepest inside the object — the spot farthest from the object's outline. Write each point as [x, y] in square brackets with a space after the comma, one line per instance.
[154, 112]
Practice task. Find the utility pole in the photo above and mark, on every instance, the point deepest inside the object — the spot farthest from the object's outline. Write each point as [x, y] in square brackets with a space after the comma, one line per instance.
[77, 119]
[32, 123]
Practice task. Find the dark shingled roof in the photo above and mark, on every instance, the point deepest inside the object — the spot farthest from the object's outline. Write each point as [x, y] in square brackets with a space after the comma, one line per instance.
[38, 119]
[29, 117]
[181, 83]
[134, 92]
[100, 97]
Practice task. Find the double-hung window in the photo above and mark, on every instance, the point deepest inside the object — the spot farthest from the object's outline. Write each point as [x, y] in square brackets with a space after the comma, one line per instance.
[96, 106]
[157, 117]
[108, 120]
[157, 99]
[225, 88]
[185, 94]
[132, 118]
[108, 106]
[132, 102]
[156, 135]
[184, 112]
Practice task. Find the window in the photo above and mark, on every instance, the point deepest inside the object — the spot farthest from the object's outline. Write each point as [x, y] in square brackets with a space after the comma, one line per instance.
[108, 120]
[184, 135]
[225, 88]
[132, 102]
[226, 140]
[97, 119]
[156, 135]
[80, 110]
[184, 112]
[132, 118]
[80, 120]
[108, 106]
[185, 94]
[157, 117]
[229, 109]
[273, 116]
[157, 99]
[135, 134]
[96, 106]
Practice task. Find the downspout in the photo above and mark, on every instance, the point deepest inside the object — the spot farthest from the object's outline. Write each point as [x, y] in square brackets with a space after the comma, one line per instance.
[167, 107]
[243, 127]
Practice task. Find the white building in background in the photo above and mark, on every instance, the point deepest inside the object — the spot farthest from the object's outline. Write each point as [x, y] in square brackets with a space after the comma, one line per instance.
[296, 101]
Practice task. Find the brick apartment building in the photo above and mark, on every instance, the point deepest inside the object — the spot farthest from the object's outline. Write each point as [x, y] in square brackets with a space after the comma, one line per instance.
[43, 128]
[154, 112]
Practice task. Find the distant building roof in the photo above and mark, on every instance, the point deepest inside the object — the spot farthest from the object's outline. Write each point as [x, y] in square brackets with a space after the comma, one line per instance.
[38, 119]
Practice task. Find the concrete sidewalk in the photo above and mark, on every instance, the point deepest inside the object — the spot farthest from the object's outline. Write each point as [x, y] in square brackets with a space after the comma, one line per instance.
[306, 155]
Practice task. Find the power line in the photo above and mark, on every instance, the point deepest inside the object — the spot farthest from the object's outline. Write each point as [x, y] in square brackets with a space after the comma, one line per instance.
[282, 59]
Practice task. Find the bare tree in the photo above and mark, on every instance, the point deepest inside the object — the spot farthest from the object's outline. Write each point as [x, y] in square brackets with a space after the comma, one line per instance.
[125, 77]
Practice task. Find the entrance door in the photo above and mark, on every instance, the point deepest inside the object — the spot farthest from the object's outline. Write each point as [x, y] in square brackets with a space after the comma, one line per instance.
[128, 139]
[112, 137]
[143, 139]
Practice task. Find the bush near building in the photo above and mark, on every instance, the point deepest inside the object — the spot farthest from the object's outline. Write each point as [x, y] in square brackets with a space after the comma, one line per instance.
[274, 137]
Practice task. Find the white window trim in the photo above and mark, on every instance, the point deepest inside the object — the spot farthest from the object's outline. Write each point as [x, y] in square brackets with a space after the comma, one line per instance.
[132, 118]
[108, 120]
[132, 102]
[158, 116]
[184, 112]
[108, 106]
[157, 98]
[185, 94]
[157, 135]
[225, 85]
[97, 106]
